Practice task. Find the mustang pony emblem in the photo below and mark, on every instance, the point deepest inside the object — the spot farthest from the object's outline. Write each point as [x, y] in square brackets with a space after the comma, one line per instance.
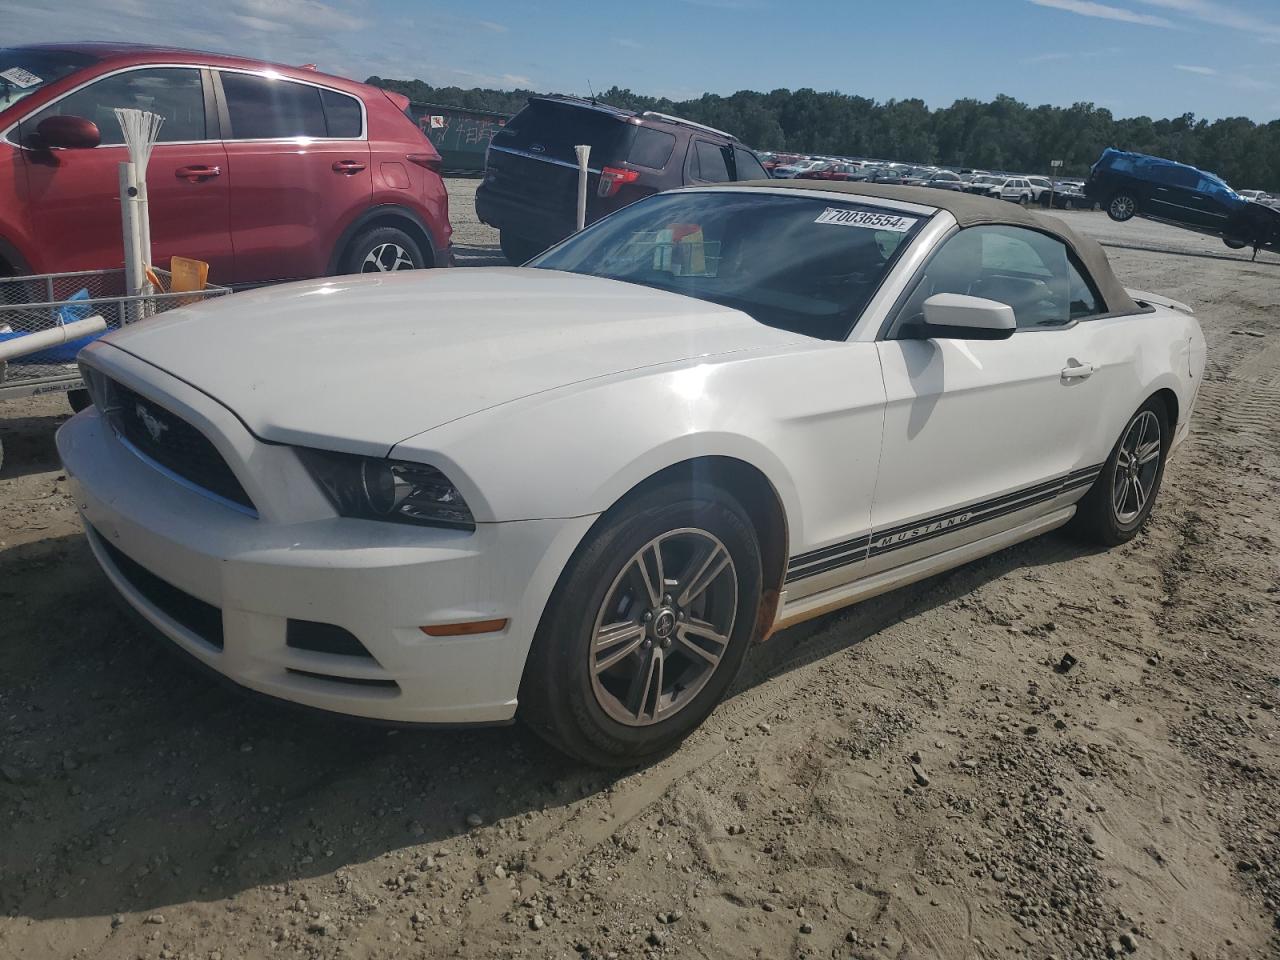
[154, 427]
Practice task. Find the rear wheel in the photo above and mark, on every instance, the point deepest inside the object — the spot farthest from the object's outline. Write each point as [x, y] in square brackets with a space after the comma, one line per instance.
[383, 250]
[1121, 499]
[518, 250]
[1122, 207]
[647, 628]
[1234, 244]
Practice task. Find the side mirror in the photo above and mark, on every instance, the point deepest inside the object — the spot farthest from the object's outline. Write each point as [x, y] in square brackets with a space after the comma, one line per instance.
[66, 133]
[954, 316]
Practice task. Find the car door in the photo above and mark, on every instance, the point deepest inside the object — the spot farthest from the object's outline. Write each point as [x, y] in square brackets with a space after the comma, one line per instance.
[291, 181]
[1173, 195]
[983, 435]
[74, 194]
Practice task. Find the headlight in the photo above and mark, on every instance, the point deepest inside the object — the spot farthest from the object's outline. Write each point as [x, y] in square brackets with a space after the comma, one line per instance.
[373, 489]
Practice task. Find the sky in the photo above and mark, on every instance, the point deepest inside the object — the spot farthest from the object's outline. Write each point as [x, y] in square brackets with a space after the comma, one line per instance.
[1158, 58]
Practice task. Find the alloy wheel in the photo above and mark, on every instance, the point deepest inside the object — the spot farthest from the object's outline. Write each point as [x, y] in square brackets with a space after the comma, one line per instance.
[1123, 207]
[386, 257]
[664, 627]
[1137, 466]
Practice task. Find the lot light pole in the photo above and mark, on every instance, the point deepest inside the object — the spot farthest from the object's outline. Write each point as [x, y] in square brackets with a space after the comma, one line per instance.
[1054, 166]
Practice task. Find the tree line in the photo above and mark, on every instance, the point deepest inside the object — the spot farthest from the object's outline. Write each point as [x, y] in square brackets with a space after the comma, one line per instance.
[1001, 134]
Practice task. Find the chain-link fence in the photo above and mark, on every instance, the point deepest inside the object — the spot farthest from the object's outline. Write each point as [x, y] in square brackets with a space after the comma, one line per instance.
[34, 304]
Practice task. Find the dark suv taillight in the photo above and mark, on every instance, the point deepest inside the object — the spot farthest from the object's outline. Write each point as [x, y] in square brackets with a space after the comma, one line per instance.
[612, 179]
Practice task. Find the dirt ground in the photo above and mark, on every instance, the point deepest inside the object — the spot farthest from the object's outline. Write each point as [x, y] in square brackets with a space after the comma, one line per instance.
[909, 778]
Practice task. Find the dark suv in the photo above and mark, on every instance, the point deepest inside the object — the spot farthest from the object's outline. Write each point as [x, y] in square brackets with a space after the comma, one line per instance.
[1133, 184]
[530, 188]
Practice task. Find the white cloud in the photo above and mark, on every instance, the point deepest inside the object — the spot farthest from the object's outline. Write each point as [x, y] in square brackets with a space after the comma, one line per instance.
[1202, 71]
[492, 26]
[311, 14]
[1221, 15]
[628, 43]
[1087, 8]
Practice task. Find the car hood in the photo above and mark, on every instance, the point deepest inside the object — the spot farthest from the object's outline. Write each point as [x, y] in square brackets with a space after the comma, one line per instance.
[360, 363]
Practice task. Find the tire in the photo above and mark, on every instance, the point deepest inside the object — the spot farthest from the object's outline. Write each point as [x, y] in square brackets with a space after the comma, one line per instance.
[1099, 517]
[383, 250]
[79, 400]
[518, 250]
[598, 703]
[1024, 201]
[1122, 207]
[1234, 244]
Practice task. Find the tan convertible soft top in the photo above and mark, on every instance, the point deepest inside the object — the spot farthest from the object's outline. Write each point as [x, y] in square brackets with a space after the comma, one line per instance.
[971, 210]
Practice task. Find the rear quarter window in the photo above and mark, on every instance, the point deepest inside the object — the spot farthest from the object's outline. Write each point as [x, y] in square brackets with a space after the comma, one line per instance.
[651, 148]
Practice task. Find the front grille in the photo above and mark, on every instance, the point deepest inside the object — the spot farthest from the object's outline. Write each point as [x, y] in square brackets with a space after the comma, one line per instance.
[202, 619]
[170, 441]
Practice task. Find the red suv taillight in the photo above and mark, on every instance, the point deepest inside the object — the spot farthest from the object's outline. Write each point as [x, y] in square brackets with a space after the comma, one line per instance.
[430, 161]
[612, 179]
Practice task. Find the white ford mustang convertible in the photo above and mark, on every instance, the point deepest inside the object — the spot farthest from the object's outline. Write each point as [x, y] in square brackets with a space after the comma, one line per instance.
[577, 491]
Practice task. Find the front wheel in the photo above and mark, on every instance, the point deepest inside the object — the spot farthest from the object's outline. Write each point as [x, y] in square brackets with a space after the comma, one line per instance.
[647, 627]
[383, 250]
[1121, 499]
[1234, 244]
[79, 399]
[1123, 206]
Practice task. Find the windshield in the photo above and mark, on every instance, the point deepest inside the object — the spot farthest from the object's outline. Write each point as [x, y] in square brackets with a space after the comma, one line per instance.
[796, 263]
[24, 70]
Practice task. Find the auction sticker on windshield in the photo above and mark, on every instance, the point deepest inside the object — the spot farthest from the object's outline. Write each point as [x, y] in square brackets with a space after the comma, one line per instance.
[19, 77]
[864, 218]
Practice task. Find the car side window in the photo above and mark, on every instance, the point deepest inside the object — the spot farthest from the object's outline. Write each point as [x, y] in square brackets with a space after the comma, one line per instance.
[651, 148]
[264, 108]
[709, 163]
[176, 93]
[749, 168]
[342, 116]
[1030, 271]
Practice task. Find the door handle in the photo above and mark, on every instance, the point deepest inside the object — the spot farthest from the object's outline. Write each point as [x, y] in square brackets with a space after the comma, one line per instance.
[348, 166]
[197, 172]
[1075, 370]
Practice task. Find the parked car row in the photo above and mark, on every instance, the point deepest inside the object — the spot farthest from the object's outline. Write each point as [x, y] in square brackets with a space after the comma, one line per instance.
[1062, 194]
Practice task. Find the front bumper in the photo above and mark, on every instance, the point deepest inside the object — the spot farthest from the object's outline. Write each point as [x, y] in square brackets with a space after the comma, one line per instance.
[379, 581]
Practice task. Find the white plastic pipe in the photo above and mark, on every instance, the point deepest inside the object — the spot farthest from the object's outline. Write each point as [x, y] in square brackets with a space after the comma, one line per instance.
[133, 275]
[583, 152]
[54, 336]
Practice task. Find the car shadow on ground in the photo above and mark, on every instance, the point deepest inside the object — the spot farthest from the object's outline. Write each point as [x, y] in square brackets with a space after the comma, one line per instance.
[134, 781]
[28, 444]
[478, 255]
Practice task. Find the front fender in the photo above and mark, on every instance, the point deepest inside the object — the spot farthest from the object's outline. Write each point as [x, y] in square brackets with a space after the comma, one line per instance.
[809, 420]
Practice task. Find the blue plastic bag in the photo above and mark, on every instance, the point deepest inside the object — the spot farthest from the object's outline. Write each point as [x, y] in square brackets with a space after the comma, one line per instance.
[63, 352]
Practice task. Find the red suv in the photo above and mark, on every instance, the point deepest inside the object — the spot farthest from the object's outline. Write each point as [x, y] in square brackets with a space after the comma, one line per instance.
[267, 172]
